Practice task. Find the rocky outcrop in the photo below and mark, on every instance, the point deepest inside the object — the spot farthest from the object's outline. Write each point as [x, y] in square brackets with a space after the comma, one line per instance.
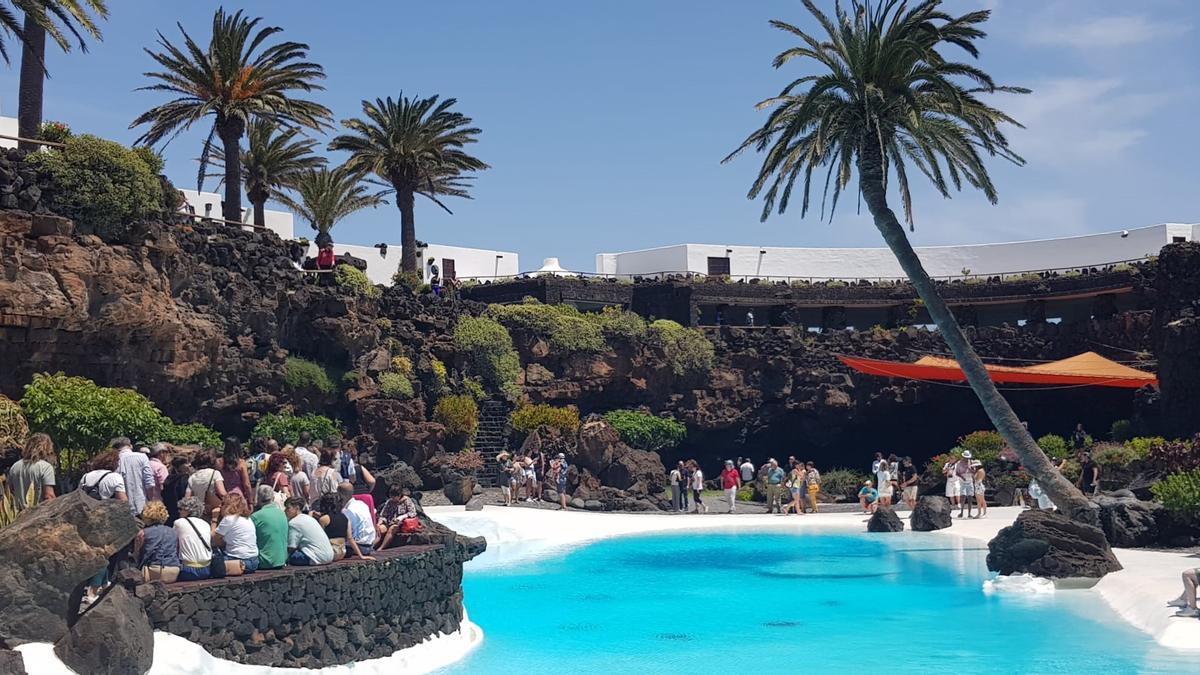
[12, 663]
[1129, 522]
[600, 452]
[885, 520]
[112, 638]
[932, 513]
[1177, 338]
[458, 487]
[1048, 544]
[47, 555]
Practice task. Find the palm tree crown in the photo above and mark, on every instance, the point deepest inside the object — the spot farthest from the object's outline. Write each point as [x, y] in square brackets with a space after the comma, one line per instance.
[237, 78]
[47, 15]
[273, 159]
[417, 146]
[882, 98]
[324, 196]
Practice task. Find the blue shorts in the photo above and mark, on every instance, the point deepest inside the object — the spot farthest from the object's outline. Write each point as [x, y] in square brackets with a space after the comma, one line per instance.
[192, 573]
[298, 559]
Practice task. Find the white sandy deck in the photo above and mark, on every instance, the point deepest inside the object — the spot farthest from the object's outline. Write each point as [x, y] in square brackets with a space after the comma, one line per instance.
[1138, 594]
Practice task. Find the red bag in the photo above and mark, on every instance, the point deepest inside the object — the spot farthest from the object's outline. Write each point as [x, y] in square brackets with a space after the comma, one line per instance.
[410, 526]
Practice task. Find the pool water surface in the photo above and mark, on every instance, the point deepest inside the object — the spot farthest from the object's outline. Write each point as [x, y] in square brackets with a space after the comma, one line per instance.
[707, 602]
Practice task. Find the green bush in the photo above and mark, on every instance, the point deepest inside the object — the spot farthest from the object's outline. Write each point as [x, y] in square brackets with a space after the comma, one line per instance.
[395, 385]
[409, 281]
[1143, 444]
[1116, 454]
[304, 375]
[14, 430]
[645, 431]
[474, 388]
[383, 323]
[439, 371]
[459, 414]
[1179, 492]
[1121, 431]
[933, 468]
[54, 132]
[745, 493]
[285, 427]
[618, 323]
[1054, 446]
[192, 434]
[355, 281]
[492, 353]
[103, 186]
[688, 352]
[841, 482]
[985, 446]
[528, 417]
[564, 326]
[402, 365]
[82, 417]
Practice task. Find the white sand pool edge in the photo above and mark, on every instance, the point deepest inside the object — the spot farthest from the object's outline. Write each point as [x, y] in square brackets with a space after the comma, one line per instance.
[1137, 594]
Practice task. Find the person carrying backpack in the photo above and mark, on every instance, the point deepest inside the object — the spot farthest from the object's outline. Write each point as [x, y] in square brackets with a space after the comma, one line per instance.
[105, 483]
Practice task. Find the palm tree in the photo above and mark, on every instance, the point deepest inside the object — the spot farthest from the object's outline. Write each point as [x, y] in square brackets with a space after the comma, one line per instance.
[883, 98]
[416, 146]
[235, 79]
[273, 160]
[42, 17]
[324, 196]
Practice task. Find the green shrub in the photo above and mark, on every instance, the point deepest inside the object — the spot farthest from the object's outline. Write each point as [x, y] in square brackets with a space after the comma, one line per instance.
[1179, 492]
[1121, 431]
[459, 414]
[474, 388]
[1116, 454]
[985, 446]
[841, 482]
[1143, 444]
[528, 417]
[688, 352]
[383, 323]
[54, 132]
[492, 353]
[564, 326]
[409, 281]
[285, 427]
[350, 378]
[395, 385]
[745, 493]
[14, 430]
[402, 365]
[304, 375]
[618, 323]
[103, 186]
[152, 159]
[645, 431]
[439, 371]
[1054, 446]
[191, 434]
[355, 281]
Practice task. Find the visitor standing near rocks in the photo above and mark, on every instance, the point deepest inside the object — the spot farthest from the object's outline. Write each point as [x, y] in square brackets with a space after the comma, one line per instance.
[775, 476]
[160, 459]
[685, 473]
[813, 478]
[193, 536]
[909, 478]
[504, 460]
[676, 481]
[1089, 474]
[558, 469]
[747, 468]
[538, 460]
[206, 483]
[883, 478]
[797, 485]
[277, 476]
[236, 536]
[325, 479]
[175, 487]
[307, 543]
[155, 548]
[529, 474]
[697, 486]
[235, 471]
[1080, 438]
[134, 468]
[1187, 601]
[964, 470]
[876, 462]
[34, 472]
[953, 484]
[980, 491]
[103, 482]
[730, 482]
[867, 497]
[300, 482]
[270, 529]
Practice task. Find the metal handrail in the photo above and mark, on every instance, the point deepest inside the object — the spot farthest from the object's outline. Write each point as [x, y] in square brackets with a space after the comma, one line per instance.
[22, 139]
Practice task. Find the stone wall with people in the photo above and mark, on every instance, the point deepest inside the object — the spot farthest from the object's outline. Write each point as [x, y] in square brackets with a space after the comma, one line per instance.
[313, 617]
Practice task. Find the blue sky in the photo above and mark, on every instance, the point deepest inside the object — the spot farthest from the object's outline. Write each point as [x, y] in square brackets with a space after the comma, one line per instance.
[605, 122]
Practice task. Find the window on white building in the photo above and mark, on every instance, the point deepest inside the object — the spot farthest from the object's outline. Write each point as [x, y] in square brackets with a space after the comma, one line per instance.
[718, 266]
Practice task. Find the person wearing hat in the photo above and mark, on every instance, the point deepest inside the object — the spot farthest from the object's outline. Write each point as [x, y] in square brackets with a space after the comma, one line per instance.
[730, 482]
[965, 471]
[867, 496]
[505, 477]
[558, 472]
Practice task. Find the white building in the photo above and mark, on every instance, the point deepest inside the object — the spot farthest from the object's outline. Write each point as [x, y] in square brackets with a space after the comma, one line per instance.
[737, 262]
[209, 204]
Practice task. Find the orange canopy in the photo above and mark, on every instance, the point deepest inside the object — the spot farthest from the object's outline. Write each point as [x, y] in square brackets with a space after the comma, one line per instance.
[1088, 368]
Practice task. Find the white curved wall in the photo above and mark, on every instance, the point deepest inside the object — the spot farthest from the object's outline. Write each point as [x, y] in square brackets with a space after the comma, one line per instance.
[940, 261]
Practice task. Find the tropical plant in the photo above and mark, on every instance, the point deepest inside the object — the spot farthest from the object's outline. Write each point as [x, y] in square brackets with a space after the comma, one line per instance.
[236, 79]
[491, 350]
[325, 196]
[285, 427]
[1116, 454]
[395, 385]
[355, 281]
[1121, 431]
[1179, 492]
[1176, 455]
[985, 446]
[459, 414]
[44, 17]
[1054, 446]
[645, 431]
[302, 375]
[274, 159]
[882, 100]
[8, 503]
[416, 145]
[529, 416]
[1143, 444]
[842, 483]
[54, 132]
[102, 185]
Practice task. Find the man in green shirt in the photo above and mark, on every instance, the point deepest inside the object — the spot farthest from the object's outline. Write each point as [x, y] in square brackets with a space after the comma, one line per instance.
[271, 528]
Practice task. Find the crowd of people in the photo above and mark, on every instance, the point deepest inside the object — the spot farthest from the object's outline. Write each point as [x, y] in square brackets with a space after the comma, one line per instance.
[792, 490]
[532, 473]
[209, 514]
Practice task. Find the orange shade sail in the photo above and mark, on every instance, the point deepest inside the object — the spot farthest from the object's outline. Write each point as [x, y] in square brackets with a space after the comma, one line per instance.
[1087, 369]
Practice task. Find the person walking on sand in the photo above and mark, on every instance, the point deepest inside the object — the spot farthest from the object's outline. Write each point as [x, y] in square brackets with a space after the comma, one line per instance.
[775, 476]
[965, 473]
[730, 483]
[813, 478]
[697, 487]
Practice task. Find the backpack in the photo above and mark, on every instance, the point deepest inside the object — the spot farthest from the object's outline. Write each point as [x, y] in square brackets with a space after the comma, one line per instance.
[93, 490]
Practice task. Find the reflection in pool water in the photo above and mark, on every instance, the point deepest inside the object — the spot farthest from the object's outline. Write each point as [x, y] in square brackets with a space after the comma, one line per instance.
[787, 603]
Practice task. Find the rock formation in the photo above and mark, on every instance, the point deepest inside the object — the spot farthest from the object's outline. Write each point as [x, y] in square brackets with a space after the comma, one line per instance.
[932, 513]
[113, 638]
[885, 520]
[1049, 544]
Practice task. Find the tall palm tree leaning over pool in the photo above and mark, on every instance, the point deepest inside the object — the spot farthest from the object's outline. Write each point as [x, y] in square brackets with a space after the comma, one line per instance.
[42, 17]
[324, 196]
[416, 146]
[883, 98]
[273, 160]
[236, 79]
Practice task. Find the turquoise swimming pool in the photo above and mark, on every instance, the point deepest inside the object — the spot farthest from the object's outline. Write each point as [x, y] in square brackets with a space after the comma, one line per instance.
[701, 603]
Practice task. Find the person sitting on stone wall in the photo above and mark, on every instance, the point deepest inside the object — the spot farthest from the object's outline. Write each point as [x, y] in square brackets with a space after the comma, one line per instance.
[270, 530]
[328, 512]
[398, 517]
[193, 536]
[362, 526]
[237, 536]
[156, 549]
[307, 542]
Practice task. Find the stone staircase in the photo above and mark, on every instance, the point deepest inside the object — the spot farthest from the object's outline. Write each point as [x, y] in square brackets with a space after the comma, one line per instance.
[491, 438]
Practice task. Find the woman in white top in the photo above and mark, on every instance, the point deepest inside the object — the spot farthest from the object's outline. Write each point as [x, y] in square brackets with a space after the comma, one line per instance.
[697, 486]
[235, 533]
[206, 483]
[103, 481]
[883, 478]
[195, 540]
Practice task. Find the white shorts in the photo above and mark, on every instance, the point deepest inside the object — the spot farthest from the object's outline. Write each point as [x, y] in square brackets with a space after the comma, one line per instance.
[953, 487]
[886, 492]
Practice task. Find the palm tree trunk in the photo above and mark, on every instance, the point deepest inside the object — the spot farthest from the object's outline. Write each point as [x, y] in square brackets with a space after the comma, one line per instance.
[1066, 496]
[33, 79]
[408, 231]
[230, 131]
